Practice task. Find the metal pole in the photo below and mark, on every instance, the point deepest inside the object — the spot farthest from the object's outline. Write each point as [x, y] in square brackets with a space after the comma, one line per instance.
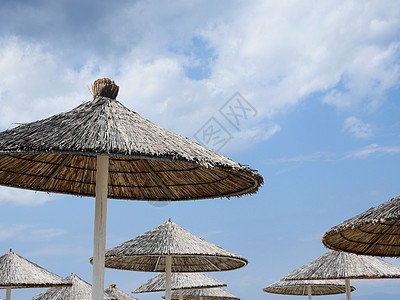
[100, 218]
[180, 295]
[309, 292]
[348, 290]
[168, 267]
[8, 293]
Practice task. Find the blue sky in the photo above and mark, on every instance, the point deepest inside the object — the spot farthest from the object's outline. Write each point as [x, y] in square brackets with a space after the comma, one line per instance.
[322, 82]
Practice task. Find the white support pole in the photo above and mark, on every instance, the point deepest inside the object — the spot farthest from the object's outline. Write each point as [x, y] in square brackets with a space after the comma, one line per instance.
[8, 293]
[309, 292]
[100, 218]
[180, 295]
[348, 289]
[168, 267]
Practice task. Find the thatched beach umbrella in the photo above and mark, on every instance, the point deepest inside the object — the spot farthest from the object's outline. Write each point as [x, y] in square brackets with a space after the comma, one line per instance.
[18, 272]
[170, 248]
[80, 289]
[342, 265]
[117, 293]
[179, 282]
[102, 149]
[373, 232]
[205, 294]
[307, 288]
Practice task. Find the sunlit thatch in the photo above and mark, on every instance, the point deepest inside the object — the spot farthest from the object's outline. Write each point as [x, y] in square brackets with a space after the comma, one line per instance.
[147, 162]
[179, 281]
[189, 253]
[300, 287]
[342, 265]
[80, 289]
[373, 232]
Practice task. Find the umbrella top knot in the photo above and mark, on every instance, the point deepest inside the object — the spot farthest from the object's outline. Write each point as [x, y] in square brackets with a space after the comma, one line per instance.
[105, 87]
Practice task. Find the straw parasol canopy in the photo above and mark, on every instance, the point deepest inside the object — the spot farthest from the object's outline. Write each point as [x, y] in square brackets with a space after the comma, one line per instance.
[80, 289]
[342, 265]
[189, 253]
[147, 162]
[307, 287]
[103, 149]
[120, 295]
[18, 272]
[373, 232]
[205, 294]
[170, 248]
[179, 281]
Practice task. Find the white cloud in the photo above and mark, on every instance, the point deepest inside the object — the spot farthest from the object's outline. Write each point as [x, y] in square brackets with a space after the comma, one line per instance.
[10, 231]
[46, 233]
[274, 53]
[357, 128]
[373, 149]
[314, 157]
[363, 153]
[28, 232]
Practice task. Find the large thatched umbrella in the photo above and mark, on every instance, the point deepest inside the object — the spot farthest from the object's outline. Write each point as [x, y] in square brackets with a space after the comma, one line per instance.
[307, 288]
[117, 293]
[205, 294]
[170, 248]
[373, 232]
[18, 272]
[342, 265]
[80, 289]
[179, 282]
[103, 149]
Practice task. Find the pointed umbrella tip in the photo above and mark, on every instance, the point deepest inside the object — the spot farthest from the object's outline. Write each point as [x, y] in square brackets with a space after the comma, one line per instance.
[105, 87]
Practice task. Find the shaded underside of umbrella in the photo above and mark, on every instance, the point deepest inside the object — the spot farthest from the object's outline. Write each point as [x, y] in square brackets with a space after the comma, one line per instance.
[300, 287]
[147, 162]
[342, 265]
[18, 272]
[179, 281]
[80, 289]
[117, 293]
[205, 294]
[189, 253]
[373, 232]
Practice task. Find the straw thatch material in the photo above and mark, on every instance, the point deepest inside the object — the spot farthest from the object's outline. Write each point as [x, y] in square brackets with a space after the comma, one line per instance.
[189, 253]
[117, 293]
[80, 290]
[299, 287]
[147, 162]
[342, 265]
[179, 281]
[18, 272]
[373, 232]
[206, 294]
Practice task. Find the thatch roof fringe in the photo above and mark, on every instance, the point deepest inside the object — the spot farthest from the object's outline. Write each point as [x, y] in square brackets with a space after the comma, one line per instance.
[18, 272]
[147, 162]
[189, 253]
[205, 294]
[179, 281]
[342, 265]
[80, 289]
[299, 287]
[373, 232]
